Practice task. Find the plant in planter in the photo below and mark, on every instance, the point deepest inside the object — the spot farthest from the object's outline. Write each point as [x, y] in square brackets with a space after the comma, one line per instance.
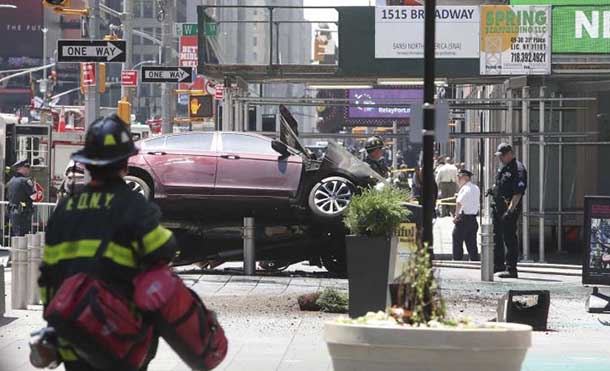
[372, 217]
[414, 333]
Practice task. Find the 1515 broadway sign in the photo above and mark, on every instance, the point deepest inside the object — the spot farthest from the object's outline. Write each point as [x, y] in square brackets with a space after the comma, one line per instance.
[515, 40]
[581, 29]
[399, 32]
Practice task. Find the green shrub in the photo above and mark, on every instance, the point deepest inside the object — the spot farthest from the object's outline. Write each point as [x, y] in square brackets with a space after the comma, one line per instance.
[333, 301]
[376, 212]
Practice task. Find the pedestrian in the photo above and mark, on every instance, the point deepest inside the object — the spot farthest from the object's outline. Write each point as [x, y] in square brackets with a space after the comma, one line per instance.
[446, 178]
[466, 211]
[21, 194]
[508, 192]
[375, 155]
[106, 215]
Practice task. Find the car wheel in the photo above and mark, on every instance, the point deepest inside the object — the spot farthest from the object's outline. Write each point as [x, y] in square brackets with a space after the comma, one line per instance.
[138, 185]
[331, 196]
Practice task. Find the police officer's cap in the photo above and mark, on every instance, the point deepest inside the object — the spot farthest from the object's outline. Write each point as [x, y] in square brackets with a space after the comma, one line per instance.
[107, 142]
[373, 143]
[464, 172]
[20, 163]
[503, 149]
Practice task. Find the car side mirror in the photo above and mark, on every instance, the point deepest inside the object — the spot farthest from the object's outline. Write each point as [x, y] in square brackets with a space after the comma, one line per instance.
[280, 147]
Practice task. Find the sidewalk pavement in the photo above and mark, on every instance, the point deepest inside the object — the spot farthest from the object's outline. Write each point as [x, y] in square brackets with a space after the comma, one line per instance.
[267, 332]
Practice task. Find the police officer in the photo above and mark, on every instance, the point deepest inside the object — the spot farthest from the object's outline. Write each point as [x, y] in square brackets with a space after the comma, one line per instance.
[20, 195]
[508, 191]
[104, 210]
[466, 211]
[375, 155]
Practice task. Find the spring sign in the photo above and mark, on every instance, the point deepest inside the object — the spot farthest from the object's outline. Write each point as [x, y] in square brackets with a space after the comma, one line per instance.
[515, 40]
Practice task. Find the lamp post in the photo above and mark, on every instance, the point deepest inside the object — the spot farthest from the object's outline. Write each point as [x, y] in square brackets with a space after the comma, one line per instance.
[428, 113]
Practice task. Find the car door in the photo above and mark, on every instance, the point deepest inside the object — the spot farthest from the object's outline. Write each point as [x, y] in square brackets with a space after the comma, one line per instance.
[185, 164]
[248, 166]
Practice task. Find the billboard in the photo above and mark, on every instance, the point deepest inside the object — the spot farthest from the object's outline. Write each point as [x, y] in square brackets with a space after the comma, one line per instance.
[515, 40]
[399, 32]
[596, 265]
[23, 27]
[581, 29]
[560, 2]
[378, 96]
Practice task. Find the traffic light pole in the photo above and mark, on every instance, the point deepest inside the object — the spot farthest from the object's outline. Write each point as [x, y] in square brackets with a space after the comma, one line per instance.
[167, 122]
[92, 96]
[127, 22]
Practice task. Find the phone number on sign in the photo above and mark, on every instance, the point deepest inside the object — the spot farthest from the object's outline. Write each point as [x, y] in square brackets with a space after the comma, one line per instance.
[528, 57]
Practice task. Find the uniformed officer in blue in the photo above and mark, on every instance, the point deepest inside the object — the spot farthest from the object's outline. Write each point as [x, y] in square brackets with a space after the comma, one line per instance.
[20, 195]
[508, 192]
[375, 155]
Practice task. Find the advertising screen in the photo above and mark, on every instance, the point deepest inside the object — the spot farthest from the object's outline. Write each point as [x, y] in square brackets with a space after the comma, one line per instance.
[22, 26]
[596, 265]
[378, 96]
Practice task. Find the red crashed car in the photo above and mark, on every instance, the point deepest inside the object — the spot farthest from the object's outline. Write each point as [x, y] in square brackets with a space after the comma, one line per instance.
[217, 175]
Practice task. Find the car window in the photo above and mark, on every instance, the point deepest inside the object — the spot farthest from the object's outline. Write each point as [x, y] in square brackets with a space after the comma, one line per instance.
[199, 141]
[154, 143]
[239, 143]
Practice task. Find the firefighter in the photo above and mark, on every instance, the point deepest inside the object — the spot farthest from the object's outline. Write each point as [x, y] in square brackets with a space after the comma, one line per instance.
[20, 194]
[105, 207]
[375, 153]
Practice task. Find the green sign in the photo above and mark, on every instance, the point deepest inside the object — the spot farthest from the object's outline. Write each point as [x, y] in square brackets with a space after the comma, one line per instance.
[189, 29]
[211, 28]
[559, 2]
[581, 29]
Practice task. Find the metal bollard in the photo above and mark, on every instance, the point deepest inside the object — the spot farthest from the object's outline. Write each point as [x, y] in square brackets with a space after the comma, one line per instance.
[19, 273]
[487, 252]
[2, 288]
[249, 246]
[34, 254]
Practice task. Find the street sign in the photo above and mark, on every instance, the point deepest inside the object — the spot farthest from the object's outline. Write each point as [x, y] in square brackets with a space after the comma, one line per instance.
[91, 51]
[211, 29]
[88, 74]
[185, 29]
[219, 93]
[129, 78]
[167, 74]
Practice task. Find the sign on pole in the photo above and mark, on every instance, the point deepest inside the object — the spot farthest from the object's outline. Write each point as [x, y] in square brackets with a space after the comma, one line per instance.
[219, 91]
[88, 74]
[129, 78]
[91, 51]
[399, 32]
[515, 40]
[167, 74]
[596, 267]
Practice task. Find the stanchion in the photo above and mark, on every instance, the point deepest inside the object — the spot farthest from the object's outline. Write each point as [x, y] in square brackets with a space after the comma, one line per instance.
[19, 273]
[34, 251]
[249, 246]
[487, 252]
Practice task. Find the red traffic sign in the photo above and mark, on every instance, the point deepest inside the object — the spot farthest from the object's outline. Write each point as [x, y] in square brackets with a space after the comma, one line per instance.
[219, 94]
[129, 78]
[39, 193]
[88, 74]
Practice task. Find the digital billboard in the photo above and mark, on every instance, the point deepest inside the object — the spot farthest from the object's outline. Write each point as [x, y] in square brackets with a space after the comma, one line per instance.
[365, 97]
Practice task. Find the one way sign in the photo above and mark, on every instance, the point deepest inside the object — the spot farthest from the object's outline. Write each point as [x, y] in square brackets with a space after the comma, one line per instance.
[167, 74]
[91, 51]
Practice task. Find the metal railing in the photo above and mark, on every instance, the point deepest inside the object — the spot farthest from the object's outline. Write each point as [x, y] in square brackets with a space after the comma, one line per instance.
[40, 217]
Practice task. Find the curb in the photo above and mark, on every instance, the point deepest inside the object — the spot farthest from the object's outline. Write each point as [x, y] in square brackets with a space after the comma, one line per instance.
[538, 268]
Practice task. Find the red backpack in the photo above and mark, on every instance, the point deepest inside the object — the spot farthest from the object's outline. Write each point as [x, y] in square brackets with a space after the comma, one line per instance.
[181, 318]
[99, 324]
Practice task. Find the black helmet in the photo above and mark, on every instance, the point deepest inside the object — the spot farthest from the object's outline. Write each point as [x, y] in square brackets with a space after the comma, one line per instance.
[373, 143]
[107, 142]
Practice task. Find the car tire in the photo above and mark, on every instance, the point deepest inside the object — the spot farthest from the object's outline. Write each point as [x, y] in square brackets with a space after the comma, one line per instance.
[138, 185]
[330, 197]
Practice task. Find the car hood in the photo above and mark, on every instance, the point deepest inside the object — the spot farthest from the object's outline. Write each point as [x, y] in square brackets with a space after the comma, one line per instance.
[337, 158]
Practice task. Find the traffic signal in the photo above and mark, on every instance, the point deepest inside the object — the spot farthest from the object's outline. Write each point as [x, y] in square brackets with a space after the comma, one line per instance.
[200, 107]
[57, 3]
[123, 110]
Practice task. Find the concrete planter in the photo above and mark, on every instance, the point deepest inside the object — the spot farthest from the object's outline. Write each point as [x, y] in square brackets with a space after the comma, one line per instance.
[370, 266]
[366, 348]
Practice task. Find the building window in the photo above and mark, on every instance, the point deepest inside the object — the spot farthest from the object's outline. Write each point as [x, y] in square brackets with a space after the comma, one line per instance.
[149, 32]
[147, 11]
[254, 41]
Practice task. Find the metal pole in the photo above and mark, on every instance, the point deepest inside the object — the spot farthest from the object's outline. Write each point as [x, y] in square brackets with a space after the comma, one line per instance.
[525, 118]
[34, 255]
[92, 96]
[19, 274]
[509, 115]
[127, 21]
[394, 144]
[487, 250]
[2, 292]
[541, 179]
[560, 183]
[428, 135]
[249, 247]
[166, 89]
[44, 62]
[270, 35]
